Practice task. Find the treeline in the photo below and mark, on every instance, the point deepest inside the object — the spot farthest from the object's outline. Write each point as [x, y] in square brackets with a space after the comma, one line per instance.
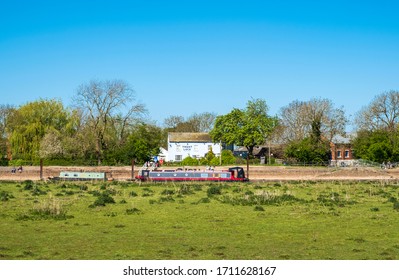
[308, 127]
[105, 125]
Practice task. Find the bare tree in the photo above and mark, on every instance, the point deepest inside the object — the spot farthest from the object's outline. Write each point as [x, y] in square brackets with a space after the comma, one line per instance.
[293, 121]
[202, 122]
[172, 122]
[381, 113]
[299, 119]
[103, 103]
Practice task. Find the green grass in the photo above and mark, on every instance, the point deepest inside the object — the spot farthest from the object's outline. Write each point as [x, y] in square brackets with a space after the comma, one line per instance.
[281, 220]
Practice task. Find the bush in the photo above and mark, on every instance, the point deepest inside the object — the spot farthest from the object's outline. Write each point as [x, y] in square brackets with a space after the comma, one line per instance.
[4, 196]
[228, 157]
[204, 200]
[215, 161]
[259, 208]
[189, 161]
[168, 192]
[102, 200]
[132, 194]
[214, 190]
[132, 211]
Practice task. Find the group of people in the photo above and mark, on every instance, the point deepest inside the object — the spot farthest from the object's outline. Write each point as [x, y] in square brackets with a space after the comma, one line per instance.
[14, 170]
[387, 165]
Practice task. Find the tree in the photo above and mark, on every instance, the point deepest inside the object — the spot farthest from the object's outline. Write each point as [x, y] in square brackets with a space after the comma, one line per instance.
[195, 123]
[5, 148]
[309, 127]
[299, 119]
[249, 127]
[381, 113]
[108, 107]
[28, 125]
[377, 145]
[142, 143]
[307, 151]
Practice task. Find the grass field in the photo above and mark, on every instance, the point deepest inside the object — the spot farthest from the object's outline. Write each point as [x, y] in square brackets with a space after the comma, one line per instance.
[290, 220]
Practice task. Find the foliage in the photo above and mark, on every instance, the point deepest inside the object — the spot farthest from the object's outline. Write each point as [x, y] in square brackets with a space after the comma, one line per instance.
[214, 190]
[308, 151]
[47, 209]
[142, 143]
[103, 199]
[248, 127]
[195, 123]
[381, 114]
[189, 161]
[132, 211]
[378, 146]
[298, 120]
[5, 112]
[228, 157]
[108, 108]
[28, 125]
[5, 196]
[215, 161]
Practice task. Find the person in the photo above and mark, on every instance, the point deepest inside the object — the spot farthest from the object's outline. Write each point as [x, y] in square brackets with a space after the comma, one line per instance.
[13, 170]
[20, 169]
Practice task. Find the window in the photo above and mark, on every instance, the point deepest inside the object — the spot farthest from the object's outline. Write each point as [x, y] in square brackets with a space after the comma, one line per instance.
[178, 157]
[339, 154]
[346, 153]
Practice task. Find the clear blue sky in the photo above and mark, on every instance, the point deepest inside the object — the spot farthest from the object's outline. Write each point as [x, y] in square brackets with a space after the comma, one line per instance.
[184, 57]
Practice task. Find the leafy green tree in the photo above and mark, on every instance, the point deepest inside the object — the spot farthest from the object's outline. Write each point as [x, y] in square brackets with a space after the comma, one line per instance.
[142, 143]
[249, 127]
[5, 148]
[228, 157]
[307, 150]
[28, 125]
[313, 148]
[379, 145]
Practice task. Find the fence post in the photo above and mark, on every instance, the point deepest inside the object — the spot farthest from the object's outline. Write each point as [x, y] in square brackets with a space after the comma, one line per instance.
[41, 169]
[248, 166]
[132, 169]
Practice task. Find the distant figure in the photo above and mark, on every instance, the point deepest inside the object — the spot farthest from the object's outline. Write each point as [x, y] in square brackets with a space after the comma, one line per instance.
[20, 169]
[13, 170]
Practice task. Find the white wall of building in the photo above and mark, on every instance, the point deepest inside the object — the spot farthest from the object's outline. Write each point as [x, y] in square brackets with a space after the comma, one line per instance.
[177, 151]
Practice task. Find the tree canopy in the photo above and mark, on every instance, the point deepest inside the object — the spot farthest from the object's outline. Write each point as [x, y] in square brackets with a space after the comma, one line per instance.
[247, 127]
[107, 106]
[381, 113]
[195, 123]
[29, 124]
[299, 117]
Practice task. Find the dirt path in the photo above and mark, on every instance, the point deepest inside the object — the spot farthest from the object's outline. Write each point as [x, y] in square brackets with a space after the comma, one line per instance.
[262, 173]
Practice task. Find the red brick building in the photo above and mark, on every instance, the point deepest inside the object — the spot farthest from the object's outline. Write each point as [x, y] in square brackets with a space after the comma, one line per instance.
[341, 151]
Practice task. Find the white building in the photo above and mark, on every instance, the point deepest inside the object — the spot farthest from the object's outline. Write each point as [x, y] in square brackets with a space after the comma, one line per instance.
[195, 145]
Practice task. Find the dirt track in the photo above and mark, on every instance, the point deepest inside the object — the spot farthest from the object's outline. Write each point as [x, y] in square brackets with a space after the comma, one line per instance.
[262, 173]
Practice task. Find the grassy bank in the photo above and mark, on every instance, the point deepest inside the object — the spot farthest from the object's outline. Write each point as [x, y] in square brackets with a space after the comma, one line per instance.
[293, 220]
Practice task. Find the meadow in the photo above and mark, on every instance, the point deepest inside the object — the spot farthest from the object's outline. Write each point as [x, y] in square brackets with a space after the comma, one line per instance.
[177, 221]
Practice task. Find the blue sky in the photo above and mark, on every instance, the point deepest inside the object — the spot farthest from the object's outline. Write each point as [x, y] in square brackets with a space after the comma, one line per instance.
[185, 57]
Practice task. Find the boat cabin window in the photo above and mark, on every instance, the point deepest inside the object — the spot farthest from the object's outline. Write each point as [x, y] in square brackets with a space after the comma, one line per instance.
[237, 172]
